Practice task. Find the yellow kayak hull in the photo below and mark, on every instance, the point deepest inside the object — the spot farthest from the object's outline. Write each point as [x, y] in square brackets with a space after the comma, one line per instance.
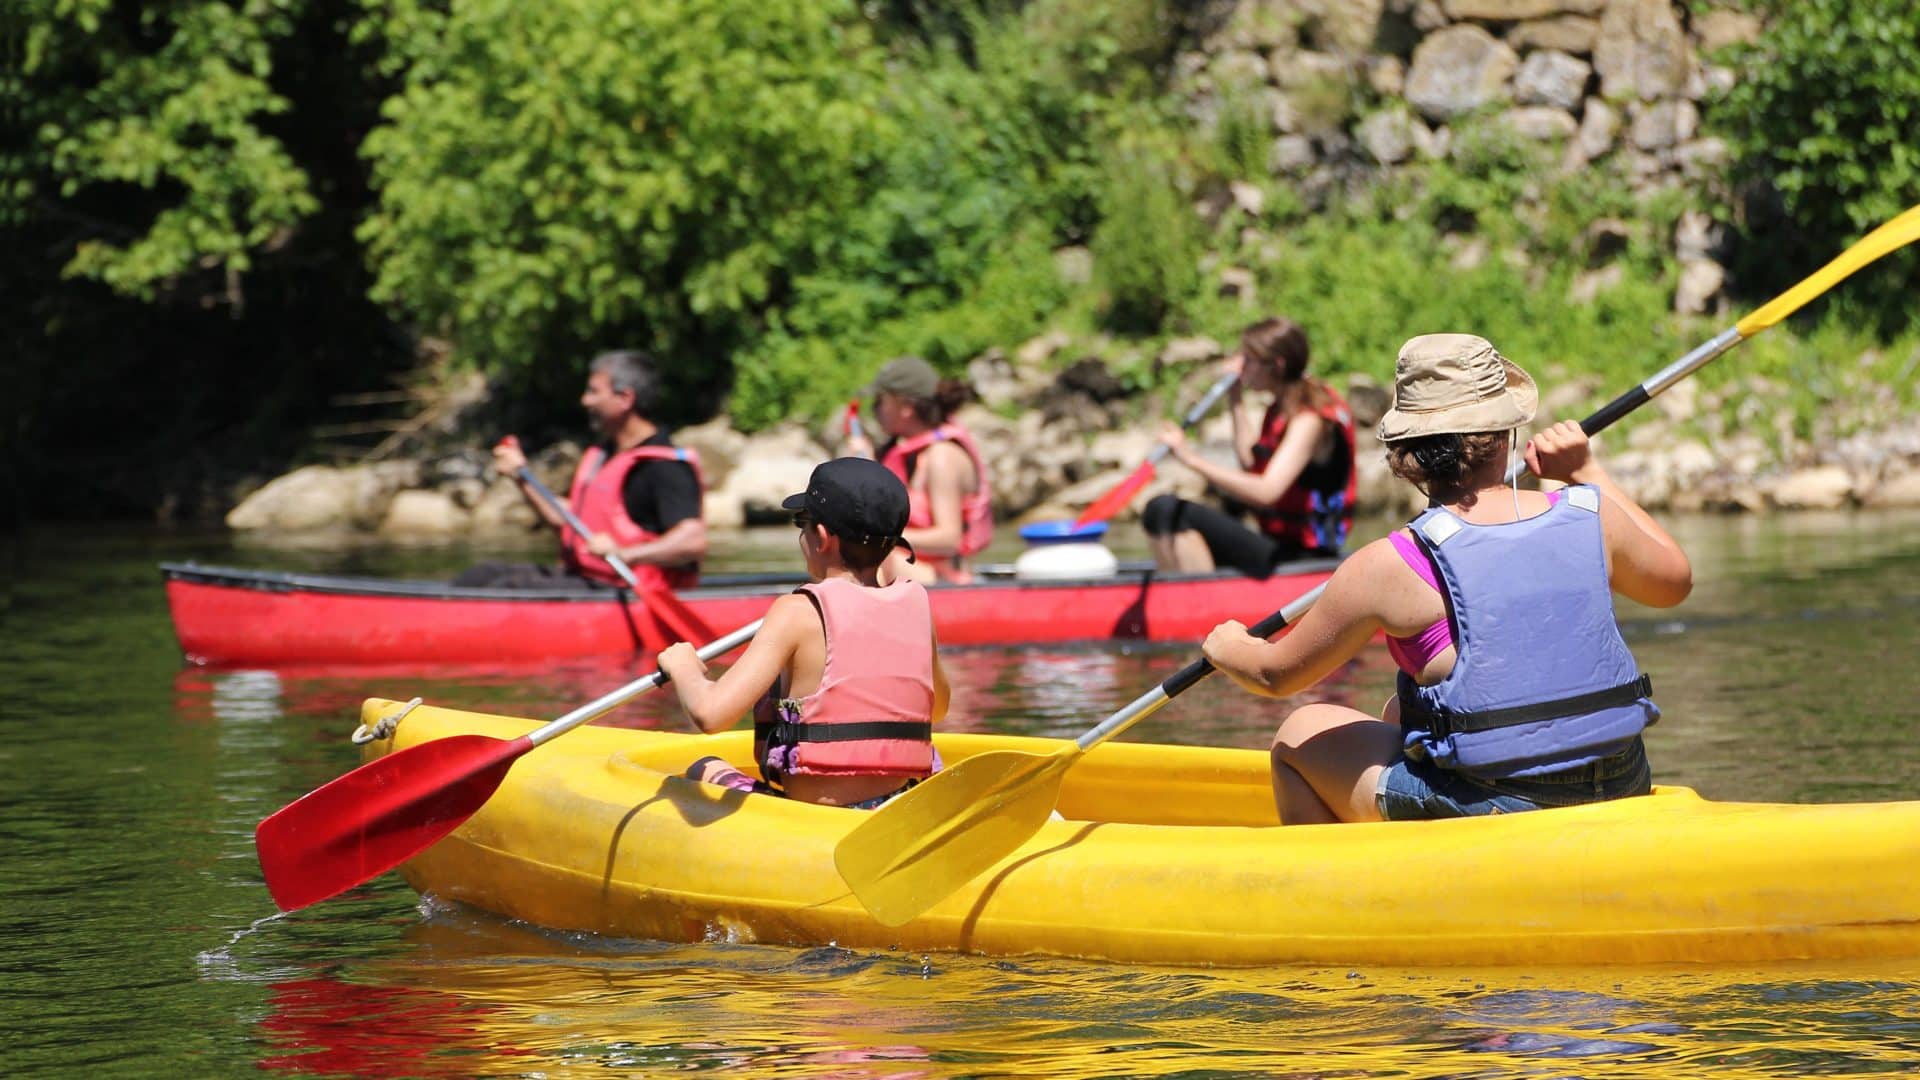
[1173, 855]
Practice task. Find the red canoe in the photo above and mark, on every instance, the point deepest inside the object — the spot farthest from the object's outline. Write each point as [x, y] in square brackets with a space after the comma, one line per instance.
[230, 617]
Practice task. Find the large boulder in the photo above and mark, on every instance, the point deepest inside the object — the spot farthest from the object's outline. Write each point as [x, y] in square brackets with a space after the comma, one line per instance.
[1642, 51]
[313, 497]
[719, 446]
[1551, 77]
[772, 465]
[1823, 487]
[1572, 34]
[420, 515]
[1457, 70]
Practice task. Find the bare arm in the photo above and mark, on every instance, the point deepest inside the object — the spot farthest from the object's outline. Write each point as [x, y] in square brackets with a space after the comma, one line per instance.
[1283, 469]
[717, 704]
[942, 690]
[945, 466]
[685, 541]
[508, 460]
[1644, 563]
[1337, 627]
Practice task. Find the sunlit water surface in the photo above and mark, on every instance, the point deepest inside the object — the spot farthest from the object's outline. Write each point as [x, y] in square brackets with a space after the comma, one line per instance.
[136, 938]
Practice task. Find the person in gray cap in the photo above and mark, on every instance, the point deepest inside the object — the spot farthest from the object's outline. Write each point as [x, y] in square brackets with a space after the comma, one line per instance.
[1516, 691]
[950, 516]
[844, 679]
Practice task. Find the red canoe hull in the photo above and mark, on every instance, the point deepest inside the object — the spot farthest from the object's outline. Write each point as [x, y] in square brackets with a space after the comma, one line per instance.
[229, 617]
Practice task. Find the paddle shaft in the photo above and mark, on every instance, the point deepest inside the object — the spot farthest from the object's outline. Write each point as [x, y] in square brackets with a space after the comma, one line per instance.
[1199, 411]
[607, 703]
[573, 522]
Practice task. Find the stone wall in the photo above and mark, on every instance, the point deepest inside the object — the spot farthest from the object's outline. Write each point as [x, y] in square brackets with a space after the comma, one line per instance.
[1362, 85]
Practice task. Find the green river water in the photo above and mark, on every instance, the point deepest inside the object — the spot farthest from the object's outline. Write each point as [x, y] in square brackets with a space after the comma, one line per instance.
[135, 936]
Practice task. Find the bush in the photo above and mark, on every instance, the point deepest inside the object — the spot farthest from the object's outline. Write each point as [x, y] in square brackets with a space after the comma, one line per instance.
[1825, 118]
[1146, 249]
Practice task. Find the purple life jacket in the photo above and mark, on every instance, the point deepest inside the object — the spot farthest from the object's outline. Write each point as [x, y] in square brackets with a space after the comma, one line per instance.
[1542, 681]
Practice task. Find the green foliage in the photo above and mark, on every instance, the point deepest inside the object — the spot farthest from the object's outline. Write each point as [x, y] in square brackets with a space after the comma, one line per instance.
[1826, 115]
[558, 175]
[170, 110]
[1146, 248]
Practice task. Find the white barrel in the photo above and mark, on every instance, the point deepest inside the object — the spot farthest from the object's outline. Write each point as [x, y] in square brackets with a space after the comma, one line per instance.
[1061, 562]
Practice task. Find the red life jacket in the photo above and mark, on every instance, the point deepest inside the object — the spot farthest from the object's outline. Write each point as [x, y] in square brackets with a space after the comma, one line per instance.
[1317, 510]
[872, 714]
[976, 526]
[598, 497]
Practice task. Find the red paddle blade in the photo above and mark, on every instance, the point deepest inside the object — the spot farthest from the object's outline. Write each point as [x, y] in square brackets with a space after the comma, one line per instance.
[361, 825]
[1113, 501]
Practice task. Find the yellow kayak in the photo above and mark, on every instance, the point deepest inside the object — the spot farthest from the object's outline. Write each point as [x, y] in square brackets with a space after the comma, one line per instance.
[1171, 854]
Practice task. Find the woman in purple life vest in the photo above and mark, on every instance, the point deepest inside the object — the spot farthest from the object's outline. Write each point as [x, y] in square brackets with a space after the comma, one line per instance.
[1516, 691]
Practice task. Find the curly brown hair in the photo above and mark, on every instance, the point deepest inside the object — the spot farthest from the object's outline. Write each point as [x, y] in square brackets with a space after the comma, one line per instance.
[1444, 463]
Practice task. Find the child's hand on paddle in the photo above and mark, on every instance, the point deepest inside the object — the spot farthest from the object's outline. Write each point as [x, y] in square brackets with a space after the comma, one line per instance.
[680, 661]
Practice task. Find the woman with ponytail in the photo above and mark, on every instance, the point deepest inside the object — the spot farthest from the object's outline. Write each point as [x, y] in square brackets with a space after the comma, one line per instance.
[949, 494]
[1516, 690]
[1295, 470]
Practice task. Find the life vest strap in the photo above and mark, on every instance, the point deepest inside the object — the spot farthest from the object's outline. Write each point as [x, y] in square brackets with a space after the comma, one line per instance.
[792, 732]
[1442, 724]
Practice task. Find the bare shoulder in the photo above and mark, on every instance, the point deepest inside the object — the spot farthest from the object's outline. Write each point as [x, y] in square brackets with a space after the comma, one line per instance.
[791, 615]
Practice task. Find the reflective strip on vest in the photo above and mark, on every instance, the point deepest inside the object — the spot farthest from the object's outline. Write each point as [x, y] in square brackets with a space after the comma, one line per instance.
[1542, 680]
[871, 715]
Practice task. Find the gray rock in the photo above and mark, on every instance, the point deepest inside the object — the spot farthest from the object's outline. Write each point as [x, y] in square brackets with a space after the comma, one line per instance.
[374, 487]
[1551, 77]
[1700, 283]
[1291, 154]
[1037, 351]
[1599, 124]
[503, 509]
[1540, 122]
[1720, 28]
[1641, 51]
[1238, 283]
[1387, 135]
[1899, 490]
[1823, 487]
[1386, 75]
[1592, 283]
[1573, 34]
[1428, 16]
[1702, 157]
[1249, 198]
[1457, 70]
[1606, 238]
[1074, 264]
[1695, 235]
[424, 515]
[718, 445]
[1516, 10]
[1433, 143]
[313, 497]
[1662, 124]
[1187, 351]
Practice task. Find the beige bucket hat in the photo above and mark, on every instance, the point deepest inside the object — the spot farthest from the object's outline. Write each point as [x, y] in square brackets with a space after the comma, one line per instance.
[1456, 384]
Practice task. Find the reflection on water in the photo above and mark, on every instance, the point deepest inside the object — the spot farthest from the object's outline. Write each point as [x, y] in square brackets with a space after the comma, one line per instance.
[134, 936]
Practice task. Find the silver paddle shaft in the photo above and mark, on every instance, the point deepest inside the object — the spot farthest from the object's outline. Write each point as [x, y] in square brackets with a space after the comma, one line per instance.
[1199, 411]
[603, 705]
[566, 514]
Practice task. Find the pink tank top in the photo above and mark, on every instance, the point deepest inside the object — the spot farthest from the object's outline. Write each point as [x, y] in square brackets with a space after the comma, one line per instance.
[1413, 654]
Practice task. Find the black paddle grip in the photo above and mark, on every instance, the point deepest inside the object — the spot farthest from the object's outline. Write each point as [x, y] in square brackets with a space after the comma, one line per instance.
[1613, 410]
[1200, 669]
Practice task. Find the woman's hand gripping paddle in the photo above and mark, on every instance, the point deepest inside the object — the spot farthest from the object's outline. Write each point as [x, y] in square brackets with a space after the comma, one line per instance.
[383, 813]
[923, 846]
[1115, 500]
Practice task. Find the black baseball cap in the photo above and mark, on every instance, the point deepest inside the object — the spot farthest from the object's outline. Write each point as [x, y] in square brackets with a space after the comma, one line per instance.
[856, 499]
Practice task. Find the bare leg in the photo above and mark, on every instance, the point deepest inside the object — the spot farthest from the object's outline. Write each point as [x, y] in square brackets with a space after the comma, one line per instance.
[1337, 755]
[1191, 555]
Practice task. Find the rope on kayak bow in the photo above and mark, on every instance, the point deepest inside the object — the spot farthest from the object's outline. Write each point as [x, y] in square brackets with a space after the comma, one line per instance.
[383, 727]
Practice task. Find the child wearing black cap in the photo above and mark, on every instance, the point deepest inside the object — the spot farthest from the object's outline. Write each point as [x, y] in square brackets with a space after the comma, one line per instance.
[844, 679]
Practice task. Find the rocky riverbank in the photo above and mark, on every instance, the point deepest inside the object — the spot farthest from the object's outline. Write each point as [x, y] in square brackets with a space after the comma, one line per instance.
[1058, 436]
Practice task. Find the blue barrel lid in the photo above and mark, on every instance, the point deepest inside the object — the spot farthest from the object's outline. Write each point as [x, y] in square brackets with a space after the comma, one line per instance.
[1062, 531]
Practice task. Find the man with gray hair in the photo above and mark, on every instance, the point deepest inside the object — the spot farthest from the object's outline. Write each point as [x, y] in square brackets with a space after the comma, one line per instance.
[637, 493]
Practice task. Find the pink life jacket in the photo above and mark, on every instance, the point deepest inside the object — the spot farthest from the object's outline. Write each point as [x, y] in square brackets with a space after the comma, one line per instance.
[873, 712]
[598, 497]
[976, 526]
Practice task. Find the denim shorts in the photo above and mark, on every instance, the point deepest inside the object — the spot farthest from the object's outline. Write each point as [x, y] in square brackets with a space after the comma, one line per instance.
[1413, 790]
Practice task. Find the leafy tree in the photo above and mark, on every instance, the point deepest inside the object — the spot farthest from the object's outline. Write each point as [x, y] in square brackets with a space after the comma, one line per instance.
[1825, 118]
[557, 176]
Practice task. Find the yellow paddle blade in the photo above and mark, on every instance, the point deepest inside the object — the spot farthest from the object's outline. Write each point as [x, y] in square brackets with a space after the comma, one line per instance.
[1895, 234]
[925, 845]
